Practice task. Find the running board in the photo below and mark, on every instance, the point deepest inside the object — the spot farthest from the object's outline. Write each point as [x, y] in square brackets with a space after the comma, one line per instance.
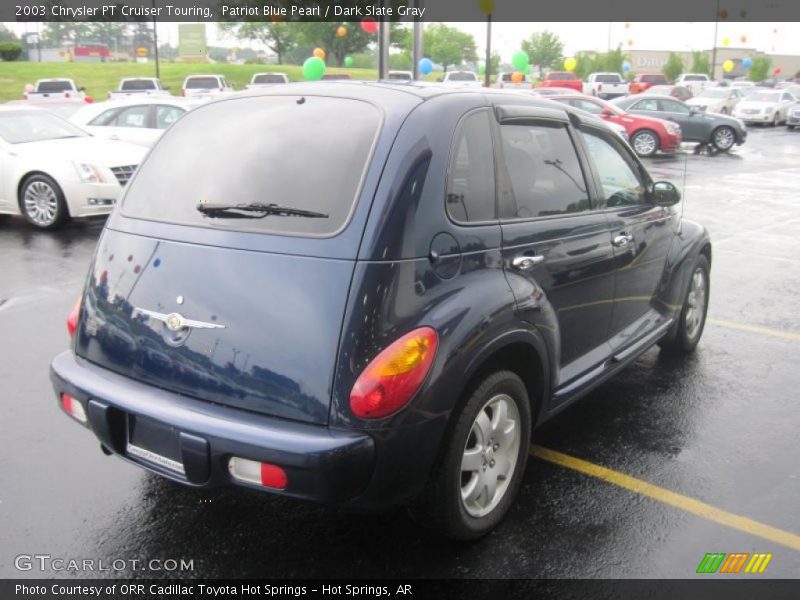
[619, 357]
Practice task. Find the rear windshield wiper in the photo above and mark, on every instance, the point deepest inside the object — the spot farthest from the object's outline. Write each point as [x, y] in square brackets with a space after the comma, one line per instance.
[255, 210]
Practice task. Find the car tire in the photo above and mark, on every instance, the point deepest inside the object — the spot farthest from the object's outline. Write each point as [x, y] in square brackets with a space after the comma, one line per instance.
[790, 126]
[776, 120]
[645, 142]
[42, 202]
[694, 311]
[491, 433]
[723, 138]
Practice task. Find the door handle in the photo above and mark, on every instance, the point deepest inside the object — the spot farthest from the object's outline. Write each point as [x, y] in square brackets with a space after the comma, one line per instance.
[526, 262]
[622, 240]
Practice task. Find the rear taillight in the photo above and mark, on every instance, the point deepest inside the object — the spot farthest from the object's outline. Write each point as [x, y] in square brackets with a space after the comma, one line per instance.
[395, 375]
[252, 471]
[73, 408]
[67, 95]
[600, 87]
[72, 319]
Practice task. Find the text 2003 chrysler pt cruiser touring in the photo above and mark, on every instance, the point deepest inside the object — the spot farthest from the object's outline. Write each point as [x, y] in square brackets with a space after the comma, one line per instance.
[370, 294]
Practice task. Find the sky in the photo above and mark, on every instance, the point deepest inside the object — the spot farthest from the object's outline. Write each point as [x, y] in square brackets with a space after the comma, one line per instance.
[773, 38]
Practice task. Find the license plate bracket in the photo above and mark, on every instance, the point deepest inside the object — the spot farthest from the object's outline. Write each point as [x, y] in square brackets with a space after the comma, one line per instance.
[155, 443]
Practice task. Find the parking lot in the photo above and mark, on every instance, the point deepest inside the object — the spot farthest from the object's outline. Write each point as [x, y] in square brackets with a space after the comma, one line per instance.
[715, 436]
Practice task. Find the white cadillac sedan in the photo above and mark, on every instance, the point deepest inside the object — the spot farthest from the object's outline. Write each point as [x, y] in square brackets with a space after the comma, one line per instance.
[51, 170]
[135, 120]
[764, 106]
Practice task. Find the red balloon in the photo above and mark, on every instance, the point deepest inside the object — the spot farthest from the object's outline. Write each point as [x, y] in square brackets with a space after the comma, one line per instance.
[369, 25]
[777, 70]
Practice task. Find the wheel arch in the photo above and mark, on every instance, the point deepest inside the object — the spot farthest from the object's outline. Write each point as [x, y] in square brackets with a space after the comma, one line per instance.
[24, 179]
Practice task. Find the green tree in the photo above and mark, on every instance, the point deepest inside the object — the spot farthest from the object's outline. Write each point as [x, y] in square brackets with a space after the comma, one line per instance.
[281, 38]
[443, 44]
[759, 71]
[10, 50]
[601, 62]
[673, 67]
[700, 63]
[544, 49]
[6, 35]
[324, 35]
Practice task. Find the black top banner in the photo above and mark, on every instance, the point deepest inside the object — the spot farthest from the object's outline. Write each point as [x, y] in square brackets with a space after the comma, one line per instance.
[401, 10]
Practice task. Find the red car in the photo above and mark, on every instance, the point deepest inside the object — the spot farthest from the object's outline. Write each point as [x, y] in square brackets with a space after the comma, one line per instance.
[642, 81]
[563, 79]
[647, 135]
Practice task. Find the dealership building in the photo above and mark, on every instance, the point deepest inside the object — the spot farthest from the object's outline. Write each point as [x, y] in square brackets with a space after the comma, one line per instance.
[654, 60]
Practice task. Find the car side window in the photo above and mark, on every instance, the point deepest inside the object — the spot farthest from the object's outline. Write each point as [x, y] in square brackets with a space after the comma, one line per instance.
[588, 106]
[674, 107]
[647, 104]
[135, 116]
[167, 115]
[619, 177]
[787, 97]
[470, 181]
[543, 172]
[104, 117]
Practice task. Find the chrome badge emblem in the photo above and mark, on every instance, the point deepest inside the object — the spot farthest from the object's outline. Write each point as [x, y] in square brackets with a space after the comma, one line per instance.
[175, 321]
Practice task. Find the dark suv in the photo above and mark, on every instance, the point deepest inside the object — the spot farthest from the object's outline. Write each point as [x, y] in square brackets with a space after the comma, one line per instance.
[370, 294]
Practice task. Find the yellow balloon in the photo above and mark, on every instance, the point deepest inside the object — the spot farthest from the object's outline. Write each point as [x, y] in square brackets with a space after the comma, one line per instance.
[570, 64]
[486, 6]
[727, 66]
[319, 53]
[726, 41]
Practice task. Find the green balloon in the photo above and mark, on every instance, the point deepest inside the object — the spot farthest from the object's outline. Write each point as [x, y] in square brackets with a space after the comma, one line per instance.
[527, 70]
[481, 69]
[313, 68]
[348, 61]
[520, 60]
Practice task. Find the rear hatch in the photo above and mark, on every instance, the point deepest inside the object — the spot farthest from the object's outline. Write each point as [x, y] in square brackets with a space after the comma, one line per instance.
[220, 319]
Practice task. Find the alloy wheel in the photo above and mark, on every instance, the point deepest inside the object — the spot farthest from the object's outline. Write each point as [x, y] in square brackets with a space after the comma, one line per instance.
[41, 203]
[723, 138]
[490, 455]
[696, 304]
[644, 143]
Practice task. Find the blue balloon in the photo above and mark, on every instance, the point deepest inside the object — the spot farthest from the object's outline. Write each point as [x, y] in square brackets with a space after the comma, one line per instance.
[425, 66]
[626, 66]
[746, 62]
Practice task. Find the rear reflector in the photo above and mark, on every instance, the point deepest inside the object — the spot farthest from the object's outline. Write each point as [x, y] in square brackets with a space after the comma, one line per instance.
[72, 319]
[252, 471]
[73, 408]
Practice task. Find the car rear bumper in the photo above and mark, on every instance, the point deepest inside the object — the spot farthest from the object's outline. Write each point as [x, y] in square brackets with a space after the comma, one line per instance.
[670, 143]
[321, 463]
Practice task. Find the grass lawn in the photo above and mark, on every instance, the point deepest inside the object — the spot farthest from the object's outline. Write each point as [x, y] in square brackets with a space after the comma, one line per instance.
[99, 78]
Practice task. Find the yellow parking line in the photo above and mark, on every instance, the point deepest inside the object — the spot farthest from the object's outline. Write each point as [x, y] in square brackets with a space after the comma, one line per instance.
[786, 335]
[701, 509]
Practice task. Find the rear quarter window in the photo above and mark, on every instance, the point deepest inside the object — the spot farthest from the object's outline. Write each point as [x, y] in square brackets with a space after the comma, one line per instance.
[307, 153]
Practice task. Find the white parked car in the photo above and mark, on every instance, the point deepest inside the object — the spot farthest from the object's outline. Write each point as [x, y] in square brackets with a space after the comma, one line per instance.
[695, 82]
[765, 106]
[720, 100]
[206, 86]
[55, 90]
[260, 80]
[138, 86]
[743, 85]
[461, 79]
[51, 170]
[606, 85]
[400, 75]
[136, 120]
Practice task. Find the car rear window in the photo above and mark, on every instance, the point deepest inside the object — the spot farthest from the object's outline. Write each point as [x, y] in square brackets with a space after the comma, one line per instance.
[462, 76]
[54, 86]
[608, 78]
[561, 76]
[308, 153]
[269, 78]
[202, 83]
[695, 78]
[654, 79]
[133, 85]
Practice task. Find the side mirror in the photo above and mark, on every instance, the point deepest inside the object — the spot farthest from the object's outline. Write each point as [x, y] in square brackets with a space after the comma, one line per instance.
[665, 194]
[693, 110]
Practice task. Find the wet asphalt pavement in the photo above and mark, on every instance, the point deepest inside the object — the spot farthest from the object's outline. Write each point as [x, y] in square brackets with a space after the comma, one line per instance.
[722, 426]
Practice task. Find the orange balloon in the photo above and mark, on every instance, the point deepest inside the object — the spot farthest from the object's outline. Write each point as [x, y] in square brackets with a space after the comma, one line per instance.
[743, 38]
[517, 77]
[319, 53]
[630, 42]
[341, 32]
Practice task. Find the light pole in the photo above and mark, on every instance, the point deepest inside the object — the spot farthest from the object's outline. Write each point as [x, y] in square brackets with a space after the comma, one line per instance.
[155, 41]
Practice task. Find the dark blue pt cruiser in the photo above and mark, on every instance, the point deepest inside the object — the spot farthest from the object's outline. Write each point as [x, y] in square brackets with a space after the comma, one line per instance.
[370, 294]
